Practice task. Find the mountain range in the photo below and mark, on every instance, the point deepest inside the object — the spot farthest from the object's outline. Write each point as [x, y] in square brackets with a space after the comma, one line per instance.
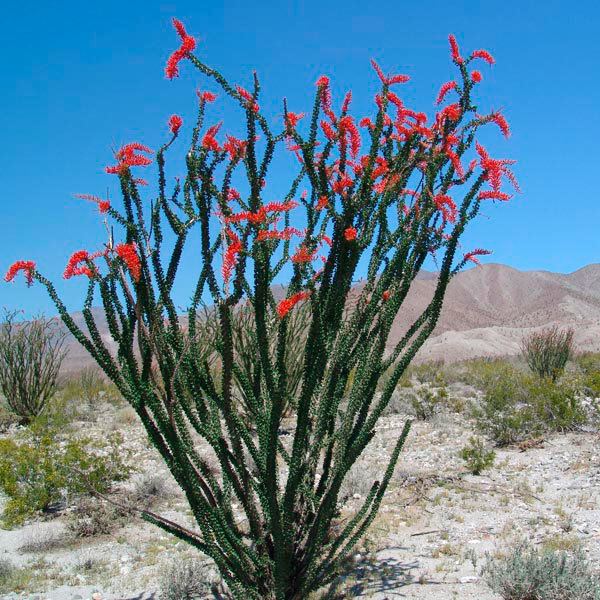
[487, 311]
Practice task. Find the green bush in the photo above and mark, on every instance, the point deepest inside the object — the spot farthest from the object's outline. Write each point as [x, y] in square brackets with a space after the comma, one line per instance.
[547, 351]
[31, 353]
[426, 402]
[190, 579]
[515, 407]
[39, 469]
[476, 456]
[530, 574]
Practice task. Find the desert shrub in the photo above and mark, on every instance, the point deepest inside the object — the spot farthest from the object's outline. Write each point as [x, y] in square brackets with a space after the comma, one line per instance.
[515, 407]
[31, 353]
[149, 490]
[476, 456]
[425, 402]
[589, 367]
[190, 579]
[530, 574]
[345, 208]
[547, 351]
[429, 372]
[40, 469]
[92, 517]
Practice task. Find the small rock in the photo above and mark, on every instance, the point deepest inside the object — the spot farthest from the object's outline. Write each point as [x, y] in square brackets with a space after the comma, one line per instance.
[469, 579]
[96, 596]
[357, 496]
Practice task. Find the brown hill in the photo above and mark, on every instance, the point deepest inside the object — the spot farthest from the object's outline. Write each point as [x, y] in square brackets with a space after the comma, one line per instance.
[486, 312]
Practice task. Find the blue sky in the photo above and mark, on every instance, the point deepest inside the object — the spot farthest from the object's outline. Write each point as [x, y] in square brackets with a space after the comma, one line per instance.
[82, 78]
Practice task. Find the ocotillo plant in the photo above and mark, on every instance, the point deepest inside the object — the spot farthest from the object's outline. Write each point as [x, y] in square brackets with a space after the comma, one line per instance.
[31, 354]
[387, 208]
[548, 351]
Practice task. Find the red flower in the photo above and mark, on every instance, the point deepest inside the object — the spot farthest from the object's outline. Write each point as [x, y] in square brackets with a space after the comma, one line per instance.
[188, 43]
[230, 258]
[388, 80]
[206, 96]
[175, 123]
[484, 55]
[494, 195]
[303, 255]
[366, 122]
[476, 76]
[350, 234]
[502, 123]
[322, 203]
[495, 168]
[140, 181]
[446, 206]
[474, 253]
[456, 57]
[284, 307]
[235, 147]
[455, 160]
[386, 295]
[293, 118]
[347, 126]
[272, 234]
[328, 130]
[127, 158]
[73, 266]
[128, 254]
[280, 206]
[339, 186]
[233, 194]
[449, 85]
[28, 266]
[451, 112]
[323, 81]
[103, 205]
[208, 141]
[248, 97]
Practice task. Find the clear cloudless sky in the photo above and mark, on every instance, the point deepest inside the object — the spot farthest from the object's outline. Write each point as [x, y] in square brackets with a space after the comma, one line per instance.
[81, 78]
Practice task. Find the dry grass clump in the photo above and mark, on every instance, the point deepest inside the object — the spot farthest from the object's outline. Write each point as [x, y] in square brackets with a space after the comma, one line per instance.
[530, 574]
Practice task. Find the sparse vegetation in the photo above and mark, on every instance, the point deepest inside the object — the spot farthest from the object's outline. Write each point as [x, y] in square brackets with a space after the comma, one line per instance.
[530, 574]
[476, 456]
[92, 517]
[40, 469]
[516, 406]
[190, 579]
[547, 351]
[31, 353]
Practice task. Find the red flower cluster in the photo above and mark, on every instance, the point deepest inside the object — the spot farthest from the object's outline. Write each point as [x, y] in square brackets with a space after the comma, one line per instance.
[454, 50]
[495, 169]
[27, 266]
[284, 307]
[74, 265]
[206, 96]
[388, 80]
[249, 98]
[188, 43]
[209, 141]
[273, 234]
[303, 255]
[127, 158]
[231, 255]
[103, 205]
[484, 55]
[350, 234]
[175, 123]
[128, 254]
[472, 256]
[449, 85]
[446, 206]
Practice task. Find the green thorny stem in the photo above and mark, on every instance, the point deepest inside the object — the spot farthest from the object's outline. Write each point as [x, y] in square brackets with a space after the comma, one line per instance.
[186, 376]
